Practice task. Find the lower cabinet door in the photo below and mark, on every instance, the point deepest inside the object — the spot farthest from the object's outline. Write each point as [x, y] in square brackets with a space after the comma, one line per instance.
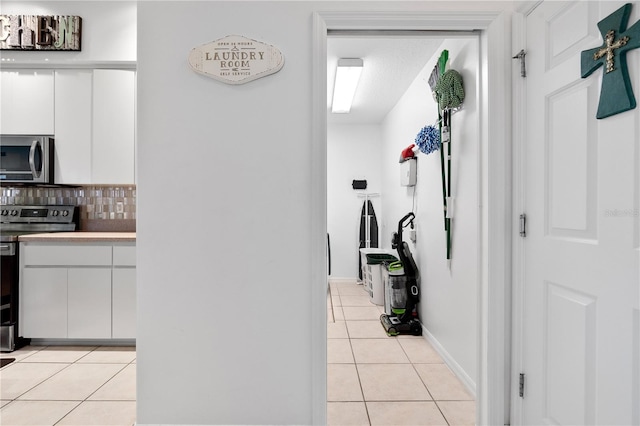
[124, 303]
[43, 303]
[89, 303]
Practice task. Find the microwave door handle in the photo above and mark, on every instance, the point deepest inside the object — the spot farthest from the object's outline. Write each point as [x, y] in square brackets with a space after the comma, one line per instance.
[32, 159]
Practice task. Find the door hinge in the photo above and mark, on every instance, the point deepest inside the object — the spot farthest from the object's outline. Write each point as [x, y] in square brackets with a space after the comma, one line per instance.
[523, 68]
[521, 386]
[523, 225]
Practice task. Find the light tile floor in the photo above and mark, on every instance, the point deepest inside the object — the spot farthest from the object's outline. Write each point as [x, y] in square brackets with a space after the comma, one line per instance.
[69, 385]
[373, 379]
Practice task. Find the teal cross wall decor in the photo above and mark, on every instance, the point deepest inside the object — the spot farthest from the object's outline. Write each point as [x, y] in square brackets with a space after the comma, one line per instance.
[616, 94]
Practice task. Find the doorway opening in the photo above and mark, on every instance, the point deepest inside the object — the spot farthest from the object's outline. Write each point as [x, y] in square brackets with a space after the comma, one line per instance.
[393, 102]
[493, 298]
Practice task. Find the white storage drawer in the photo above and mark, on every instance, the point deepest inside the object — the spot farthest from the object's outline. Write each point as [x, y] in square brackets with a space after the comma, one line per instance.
[76, 255]
[124, 255]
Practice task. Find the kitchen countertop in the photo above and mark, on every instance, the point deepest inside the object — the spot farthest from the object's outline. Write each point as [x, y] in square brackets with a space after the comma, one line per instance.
[80, 237]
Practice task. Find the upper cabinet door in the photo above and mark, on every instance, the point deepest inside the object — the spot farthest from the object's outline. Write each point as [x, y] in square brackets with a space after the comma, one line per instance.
[113, 157]
[93, 123]
[73, 102]
[26, 102]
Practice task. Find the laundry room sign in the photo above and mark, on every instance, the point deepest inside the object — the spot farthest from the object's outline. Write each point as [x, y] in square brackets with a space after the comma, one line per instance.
[236, 59]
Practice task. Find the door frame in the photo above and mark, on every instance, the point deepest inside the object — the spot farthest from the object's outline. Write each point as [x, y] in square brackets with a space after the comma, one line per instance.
[495, 221]
[518, 88]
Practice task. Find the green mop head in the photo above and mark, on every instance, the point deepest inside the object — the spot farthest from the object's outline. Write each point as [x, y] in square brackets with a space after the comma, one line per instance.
[449, 90]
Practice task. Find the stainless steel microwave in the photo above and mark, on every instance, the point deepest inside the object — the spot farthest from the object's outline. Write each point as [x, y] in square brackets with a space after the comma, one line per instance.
[26, 159]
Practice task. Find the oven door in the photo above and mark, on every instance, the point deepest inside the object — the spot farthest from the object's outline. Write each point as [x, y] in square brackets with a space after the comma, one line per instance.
[9, 296]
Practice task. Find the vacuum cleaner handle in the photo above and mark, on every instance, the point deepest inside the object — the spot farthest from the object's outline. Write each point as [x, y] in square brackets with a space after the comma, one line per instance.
[409, 216]
[396, 238]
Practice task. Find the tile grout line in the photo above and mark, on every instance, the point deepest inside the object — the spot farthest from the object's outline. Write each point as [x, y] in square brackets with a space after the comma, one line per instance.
[346, 327]
[15, 400]
[426, 387]
[333, 315]
[430, 394]
[44, 380]
[76, 400]
[108, 380]
[413, 364]
[67, 365]
[99, 387]
[355, 363]
[68, 412]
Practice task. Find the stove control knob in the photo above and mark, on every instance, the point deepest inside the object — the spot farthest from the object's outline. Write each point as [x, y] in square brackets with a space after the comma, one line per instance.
[5, 212]
[65, 213]
[55, 213]
[14, 212]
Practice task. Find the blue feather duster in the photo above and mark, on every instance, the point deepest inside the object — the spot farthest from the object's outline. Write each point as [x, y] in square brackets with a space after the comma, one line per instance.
[428, 139]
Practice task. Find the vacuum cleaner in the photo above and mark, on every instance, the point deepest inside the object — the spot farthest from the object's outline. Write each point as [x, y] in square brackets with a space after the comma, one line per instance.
[403, 286]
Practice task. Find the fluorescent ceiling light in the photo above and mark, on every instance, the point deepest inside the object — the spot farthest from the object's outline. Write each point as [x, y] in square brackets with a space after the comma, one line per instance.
[344, 87]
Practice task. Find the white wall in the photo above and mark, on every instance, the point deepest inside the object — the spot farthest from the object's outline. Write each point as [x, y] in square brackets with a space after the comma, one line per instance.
[223, 312]
[449, 299]
[224, 323]
[108, 30]
[353, 152]
[224, 299]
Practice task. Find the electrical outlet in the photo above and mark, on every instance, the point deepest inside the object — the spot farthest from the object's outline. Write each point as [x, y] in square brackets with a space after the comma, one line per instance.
[412, 236]
[119, 207]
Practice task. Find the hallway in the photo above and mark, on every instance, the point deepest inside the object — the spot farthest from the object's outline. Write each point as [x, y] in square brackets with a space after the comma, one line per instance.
[373, 379]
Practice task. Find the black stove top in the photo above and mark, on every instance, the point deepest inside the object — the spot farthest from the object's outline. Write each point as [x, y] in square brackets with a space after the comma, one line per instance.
[16, 220]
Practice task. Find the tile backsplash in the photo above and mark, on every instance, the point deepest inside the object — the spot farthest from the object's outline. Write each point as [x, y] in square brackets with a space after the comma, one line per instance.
[95, 202]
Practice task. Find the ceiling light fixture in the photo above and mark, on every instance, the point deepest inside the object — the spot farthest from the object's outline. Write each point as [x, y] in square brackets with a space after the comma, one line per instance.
[344, 88]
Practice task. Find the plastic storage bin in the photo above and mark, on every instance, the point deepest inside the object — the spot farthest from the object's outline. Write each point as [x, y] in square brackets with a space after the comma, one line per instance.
[373, 276]
[363, 257]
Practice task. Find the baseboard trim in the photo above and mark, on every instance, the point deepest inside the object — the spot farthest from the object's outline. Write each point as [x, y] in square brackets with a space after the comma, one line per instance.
[451, 362]
[82, 342]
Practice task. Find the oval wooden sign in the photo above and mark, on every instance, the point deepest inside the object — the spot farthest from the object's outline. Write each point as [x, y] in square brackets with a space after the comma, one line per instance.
[236, 59]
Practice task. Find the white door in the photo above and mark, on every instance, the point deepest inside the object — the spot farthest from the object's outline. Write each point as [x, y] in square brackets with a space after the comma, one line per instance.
[580, 332]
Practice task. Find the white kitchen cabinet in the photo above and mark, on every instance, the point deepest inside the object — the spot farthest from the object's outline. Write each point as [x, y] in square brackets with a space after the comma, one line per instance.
[124, 303]
[95, 126]
[78, 290]
[66, 302]
[26, 102]
[113, 156]
[124, 291]
[43, 303]
[89, 303]
[73, 106]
